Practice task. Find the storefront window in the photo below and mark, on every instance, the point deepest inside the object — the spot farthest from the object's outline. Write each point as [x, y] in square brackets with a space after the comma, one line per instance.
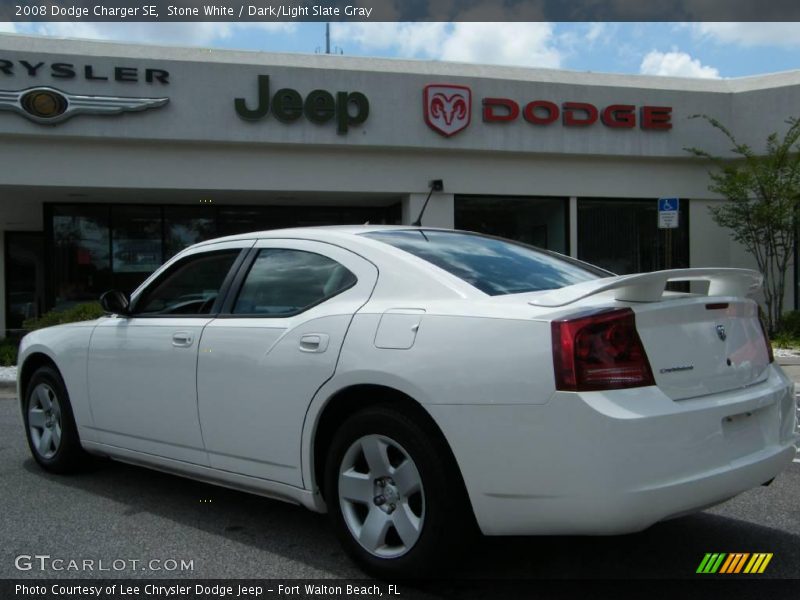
[97, 247]
[81, 267]
[242, 219]
[539, 222]
[187, 225]
[623, 236]
[135, 244]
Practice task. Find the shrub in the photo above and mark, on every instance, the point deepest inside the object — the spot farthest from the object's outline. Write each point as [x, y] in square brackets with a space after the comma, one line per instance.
[790, 324]
[783, 340]
[80, 312]
[8, 352]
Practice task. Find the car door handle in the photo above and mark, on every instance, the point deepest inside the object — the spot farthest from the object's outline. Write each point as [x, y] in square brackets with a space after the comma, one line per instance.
[182, 339]
[314, 342]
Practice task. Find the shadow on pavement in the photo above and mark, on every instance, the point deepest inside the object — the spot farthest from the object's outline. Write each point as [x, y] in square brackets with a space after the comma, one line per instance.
[671, 549]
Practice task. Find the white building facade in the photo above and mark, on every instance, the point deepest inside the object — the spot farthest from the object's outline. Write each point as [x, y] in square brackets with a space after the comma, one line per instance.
[114, 157]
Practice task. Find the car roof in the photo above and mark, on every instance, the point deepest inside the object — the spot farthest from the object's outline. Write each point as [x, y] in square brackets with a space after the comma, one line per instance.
[317, 232]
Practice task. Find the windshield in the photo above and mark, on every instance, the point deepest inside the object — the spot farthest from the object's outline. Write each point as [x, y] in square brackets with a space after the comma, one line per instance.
[493, 265]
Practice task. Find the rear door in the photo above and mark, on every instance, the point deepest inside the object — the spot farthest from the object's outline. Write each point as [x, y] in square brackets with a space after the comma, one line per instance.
[276, 342]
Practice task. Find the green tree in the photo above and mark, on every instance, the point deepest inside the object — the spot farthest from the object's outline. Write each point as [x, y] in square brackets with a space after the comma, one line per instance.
[762, 195]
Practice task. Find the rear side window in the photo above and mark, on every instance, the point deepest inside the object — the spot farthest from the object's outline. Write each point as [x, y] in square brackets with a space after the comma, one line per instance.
[492, 265]
[285, 282]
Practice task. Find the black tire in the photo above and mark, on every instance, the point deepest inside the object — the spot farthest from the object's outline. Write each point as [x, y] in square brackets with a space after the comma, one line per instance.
[448, 522]
[68, 456]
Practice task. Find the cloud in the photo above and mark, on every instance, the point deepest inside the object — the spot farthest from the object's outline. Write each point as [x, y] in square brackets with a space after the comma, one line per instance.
[6, 27]
[522, 44]
[529, 44]
[407, 39]
[596, 31]
[189, 34]
[675, 64]
[750, 34]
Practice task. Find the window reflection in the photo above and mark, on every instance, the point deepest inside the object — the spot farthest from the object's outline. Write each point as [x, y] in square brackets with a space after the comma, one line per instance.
[81, 266]
[493, 266]
[187, 225]
[135, 244]
[284, 282]
[540, 222]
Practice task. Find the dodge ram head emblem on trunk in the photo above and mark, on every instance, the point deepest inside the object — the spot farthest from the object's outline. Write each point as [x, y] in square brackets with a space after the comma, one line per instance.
[49, 106]
[721, 332]
[448, 108]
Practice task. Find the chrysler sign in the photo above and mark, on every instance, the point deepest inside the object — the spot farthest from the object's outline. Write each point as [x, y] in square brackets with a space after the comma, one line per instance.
[448, 110]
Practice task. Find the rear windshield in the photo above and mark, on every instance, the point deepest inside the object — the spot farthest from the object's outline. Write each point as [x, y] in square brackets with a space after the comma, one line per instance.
[492, 265]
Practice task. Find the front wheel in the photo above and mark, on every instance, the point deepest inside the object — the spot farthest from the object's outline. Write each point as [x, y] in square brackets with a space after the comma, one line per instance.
[50, 425]
[396, 502]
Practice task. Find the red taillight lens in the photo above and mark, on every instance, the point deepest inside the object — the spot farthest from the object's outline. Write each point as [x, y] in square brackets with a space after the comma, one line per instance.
[766, 338]
[599, 351]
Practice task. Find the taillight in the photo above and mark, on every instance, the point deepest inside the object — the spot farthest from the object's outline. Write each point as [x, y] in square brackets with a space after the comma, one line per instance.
[599, 351]
[766, 337]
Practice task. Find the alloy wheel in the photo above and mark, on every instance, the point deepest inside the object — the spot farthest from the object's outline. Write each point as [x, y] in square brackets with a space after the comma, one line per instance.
[44, 421]
[381, 496]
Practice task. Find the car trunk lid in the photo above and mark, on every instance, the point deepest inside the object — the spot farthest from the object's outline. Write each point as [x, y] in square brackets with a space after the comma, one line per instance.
[701, 346]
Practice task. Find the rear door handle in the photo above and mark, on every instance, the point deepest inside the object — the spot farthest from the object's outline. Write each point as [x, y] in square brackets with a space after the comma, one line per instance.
[314, 342]
[182, 339]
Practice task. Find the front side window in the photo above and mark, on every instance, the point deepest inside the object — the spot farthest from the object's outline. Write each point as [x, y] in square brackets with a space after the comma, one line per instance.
[189, 287]
[492, 265]
[284, 282]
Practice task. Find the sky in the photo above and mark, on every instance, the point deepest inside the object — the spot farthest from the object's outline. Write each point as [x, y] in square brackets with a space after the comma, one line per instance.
[708, 50]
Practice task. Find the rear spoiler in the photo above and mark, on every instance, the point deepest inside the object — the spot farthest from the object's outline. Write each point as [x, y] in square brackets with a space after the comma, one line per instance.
[649, 287]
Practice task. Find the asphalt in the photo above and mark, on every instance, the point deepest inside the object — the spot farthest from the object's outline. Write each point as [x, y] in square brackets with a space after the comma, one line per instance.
[116, 511]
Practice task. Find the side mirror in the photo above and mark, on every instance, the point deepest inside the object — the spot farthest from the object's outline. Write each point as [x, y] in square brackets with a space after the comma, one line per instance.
[115, 302]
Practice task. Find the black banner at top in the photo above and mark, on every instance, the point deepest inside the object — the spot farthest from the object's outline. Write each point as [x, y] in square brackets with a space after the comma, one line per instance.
[397, 10]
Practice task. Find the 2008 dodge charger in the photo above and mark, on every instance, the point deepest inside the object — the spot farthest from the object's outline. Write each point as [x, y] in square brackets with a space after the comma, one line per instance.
[414, 381]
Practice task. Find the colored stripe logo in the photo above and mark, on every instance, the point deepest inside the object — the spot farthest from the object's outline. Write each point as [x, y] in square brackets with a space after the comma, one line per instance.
[734, 562]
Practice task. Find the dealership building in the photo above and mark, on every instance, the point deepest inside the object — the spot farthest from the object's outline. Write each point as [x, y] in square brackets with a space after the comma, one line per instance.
[113, 157]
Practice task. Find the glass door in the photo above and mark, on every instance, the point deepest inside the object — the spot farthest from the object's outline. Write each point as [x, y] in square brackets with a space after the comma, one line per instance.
[24, 268]
[623, 237]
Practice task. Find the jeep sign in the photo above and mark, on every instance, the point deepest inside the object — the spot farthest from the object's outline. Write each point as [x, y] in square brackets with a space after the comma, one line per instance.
[320, 106]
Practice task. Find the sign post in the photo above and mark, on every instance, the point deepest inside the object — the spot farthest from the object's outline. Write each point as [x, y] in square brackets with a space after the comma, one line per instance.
[668, 219]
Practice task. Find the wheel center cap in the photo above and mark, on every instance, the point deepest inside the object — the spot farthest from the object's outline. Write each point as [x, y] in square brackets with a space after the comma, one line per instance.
[391, 493]
[386, 495]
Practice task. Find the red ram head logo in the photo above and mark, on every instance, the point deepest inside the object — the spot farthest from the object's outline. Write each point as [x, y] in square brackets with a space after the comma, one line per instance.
[448, 108]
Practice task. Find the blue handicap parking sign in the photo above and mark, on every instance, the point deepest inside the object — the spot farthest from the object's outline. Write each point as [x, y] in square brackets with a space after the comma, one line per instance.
[668, 213]
[667, 204]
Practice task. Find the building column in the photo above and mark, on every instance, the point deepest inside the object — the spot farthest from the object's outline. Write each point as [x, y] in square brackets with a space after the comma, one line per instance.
[440, 211]
[573, 227]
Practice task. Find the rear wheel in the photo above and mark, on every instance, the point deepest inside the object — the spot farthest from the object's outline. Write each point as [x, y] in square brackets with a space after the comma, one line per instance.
[50, 425]
[394, 499]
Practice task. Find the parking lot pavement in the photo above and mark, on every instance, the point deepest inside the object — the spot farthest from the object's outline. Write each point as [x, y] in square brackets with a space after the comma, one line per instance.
[122, 512]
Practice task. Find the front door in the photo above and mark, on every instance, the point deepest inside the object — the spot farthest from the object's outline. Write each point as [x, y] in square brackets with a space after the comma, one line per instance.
[275, 343]
[142, 367]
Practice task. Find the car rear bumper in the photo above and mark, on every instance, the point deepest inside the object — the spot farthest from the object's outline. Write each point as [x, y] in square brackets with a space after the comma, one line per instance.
[616, 462]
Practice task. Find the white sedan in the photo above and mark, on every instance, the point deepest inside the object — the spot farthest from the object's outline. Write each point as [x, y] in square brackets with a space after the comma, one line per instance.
[415, 382]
